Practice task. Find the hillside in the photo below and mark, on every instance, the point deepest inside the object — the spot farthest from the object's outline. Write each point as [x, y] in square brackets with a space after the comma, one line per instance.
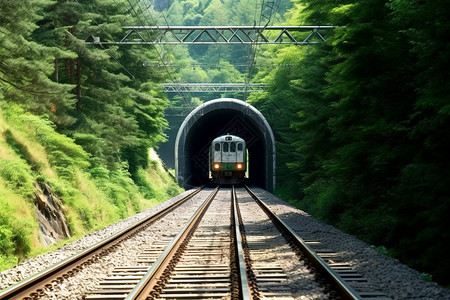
[35, 159]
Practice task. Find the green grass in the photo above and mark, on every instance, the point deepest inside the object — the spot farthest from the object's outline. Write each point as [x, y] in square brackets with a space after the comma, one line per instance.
[92, 196]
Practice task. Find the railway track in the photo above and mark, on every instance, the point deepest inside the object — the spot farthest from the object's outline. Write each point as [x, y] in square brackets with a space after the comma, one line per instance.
[219, 255]
[232, 247]
[320, 271]
[35, 286]
[204, 261]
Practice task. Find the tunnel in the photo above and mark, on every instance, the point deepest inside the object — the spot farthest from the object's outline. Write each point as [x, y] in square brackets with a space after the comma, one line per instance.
[215, 118]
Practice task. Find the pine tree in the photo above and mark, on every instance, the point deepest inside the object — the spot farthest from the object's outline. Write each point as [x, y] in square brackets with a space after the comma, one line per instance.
[423, 186]
[26, 66]
[119, 105]
[368, 151]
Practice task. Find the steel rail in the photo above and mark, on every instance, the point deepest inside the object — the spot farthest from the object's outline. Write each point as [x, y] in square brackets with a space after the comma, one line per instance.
[346, 291]
[44, 278]
[245, 293]
[146, 285]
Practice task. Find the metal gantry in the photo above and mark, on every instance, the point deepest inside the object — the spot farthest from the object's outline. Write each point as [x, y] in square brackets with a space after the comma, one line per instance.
[205, 35]
[214, 87]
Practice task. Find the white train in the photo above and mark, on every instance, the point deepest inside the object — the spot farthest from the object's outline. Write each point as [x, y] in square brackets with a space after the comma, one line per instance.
[228, 159]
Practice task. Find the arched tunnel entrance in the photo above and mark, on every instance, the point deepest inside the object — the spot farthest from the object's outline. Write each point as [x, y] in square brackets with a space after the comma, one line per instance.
[215, 118]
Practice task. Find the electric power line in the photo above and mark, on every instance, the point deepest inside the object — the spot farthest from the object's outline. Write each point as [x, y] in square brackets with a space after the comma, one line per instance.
[185, 99]
[255, 48]
[107, 51]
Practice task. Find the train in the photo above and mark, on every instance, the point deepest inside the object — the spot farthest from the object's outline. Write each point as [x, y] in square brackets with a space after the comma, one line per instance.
[228, 160]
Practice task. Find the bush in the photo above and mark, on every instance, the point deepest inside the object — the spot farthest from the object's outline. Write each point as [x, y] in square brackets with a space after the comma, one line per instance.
[17, 175]
[15, 233]
[6, 241]
[93, 194]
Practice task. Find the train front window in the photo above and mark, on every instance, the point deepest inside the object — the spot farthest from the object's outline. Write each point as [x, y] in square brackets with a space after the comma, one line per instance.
[240, 147]
[232, 147]
[217, 147]
[225, 147]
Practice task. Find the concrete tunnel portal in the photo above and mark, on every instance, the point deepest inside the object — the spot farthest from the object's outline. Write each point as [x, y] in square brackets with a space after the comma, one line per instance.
[215, 118]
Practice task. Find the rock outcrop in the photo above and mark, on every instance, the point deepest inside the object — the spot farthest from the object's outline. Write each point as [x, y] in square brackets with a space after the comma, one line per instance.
[52, 221]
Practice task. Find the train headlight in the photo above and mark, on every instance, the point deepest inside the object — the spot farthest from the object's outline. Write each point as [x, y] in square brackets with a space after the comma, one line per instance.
[239, 166]
[216, 166]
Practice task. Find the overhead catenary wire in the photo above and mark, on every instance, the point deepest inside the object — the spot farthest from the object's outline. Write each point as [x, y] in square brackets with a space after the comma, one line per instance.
[18, 39]
[187, 102]
[169, 72]
[106, 50]
[253, 52]
[142, 13]
[254, 48]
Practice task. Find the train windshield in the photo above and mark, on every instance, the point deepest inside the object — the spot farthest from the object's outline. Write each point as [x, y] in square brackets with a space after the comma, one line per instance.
[240, 147]
[217, 147]
[232, 147]
[225, 147]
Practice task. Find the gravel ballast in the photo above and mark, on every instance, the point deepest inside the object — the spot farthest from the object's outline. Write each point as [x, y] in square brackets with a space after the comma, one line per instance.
[386, 274]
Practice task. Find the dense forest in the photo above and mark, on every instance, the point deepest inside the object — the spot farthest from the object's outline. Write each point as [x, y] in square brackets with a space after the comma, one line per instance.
[363, 124]
[76, 117]
[361, 120]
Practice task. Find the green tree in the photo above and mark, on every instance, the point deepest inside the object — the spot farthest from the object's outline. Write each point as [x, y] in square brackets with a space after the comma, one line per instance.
[26, 65]
[366, 142]
[423, 190]
[119, 108]
[225, 72]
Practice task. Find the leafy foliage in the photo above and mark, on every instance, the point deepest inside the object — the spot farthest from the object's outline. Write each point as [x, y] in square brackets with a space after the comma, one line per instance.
[214, 63]
[361, 123]
[26, 64]
[81, 118]
[118, 106]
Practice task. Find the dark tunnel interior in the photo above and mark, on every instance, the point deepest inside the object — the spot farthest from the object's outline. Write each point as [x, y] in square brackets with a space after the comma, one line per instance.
[214, 124]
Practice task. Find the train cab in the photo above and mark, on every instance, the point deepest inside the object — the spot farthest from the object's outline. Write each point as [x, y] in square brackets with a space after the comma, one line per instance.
[228, 159]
